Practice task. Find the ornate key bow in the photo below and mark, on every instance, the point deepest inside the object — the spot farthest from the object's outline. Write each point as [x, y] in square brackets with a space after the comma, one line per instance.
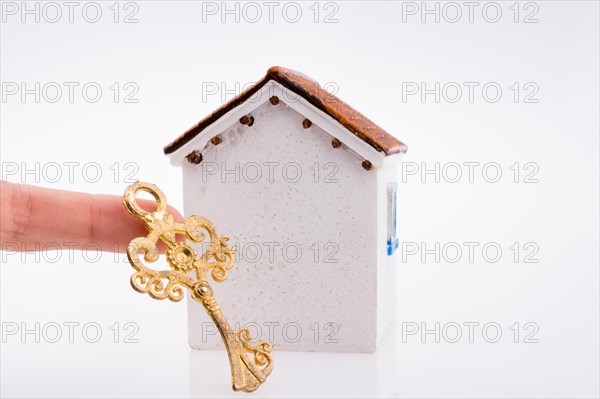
[189, 270]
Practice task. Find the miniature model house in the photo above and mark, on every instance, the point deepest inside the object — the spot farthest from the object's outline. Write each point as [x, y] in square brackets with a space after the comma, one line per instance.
[305, 187]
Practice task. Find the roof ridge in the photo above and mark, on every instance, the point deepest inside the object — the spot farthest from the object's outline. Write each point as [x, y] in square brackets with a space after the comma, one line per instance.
[311, 91]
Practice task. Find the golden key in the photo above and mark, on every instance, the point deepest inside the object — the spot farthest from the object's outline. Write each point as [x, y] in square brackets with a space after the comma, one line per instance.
[188, 270]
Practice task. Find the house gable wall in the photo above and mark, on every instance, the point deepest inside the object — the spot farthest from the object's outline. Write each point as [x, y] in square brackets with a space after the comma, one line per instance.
[306, 269]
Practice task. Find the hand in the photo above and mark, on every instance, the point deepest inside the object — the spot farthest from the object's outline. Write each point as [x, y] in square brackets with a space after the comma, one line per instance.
[31, 218]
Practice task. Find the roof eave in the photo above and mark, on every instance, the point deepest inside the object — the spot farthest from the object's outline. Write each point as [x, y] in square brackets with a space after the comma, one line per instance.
[302, 85]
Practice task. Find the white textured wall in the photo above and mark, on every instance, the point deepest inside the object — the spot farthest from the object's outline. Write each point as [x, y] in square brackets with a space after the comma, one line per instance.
[309, 213]
[386, 265]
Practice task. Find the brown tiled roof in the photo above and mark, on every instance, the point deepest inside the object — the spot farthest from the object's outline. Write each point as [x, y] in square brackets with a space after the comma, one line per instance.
[354, 121]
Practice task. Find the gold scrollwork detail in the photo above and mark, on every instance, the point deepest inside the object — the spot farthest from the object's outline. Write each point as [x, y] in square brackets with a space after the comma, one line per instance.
[261, 351]
[152, 283]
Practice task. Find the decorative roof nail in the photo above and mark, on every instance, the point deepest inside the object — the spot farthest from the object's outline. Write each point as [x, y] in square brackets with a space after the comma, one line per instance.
[247, 120]
[194, 157]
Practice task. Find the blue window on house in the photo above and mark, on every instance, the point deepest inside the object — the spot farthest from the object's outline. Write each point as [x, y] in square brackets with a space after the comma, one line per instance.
[392, 239]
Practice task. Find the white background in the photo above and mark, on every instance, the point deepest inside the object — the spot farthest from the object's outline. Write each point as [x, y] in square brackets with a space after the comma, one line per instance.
[368, 56]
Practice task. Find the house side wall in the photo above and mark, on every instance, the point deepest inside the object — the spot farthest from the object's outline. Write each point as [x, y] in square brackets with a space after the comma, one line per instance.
[304, 218]
[386, 264]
